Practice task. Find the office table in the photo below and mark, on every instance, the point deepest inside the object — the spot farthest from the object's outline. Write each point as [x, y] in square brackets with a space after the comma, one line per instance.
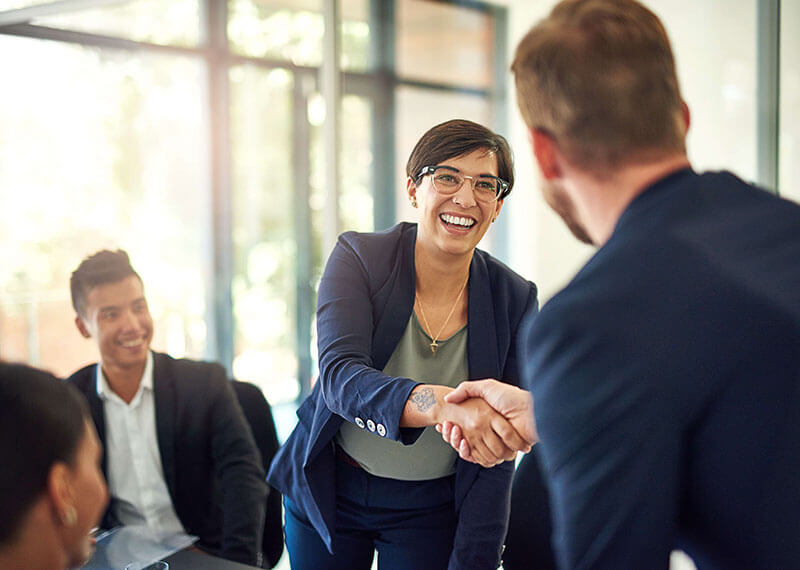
[194, 560]
[122, 545]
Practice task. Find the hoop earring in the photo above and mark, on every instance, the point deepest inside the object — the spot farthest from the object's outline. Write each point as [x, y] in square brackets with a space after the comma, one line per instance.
[413, 202]
[69, 517]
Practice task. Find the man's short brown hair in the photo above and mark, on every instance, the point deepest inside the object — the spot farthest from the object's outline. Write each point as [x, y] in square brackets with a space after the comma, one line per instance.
[100, 268]
[599, 76]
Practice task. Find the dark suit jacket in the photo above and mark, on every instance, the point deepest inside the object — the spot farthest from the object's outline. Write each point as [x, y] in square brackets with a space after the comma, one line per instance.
[666, 382]
[210, 462]
[365, 301]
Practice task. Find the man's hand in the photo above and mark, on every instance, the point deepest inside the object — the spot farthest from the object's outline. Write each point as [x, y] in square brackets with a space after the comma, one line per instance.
[490, 437]
[514, 404]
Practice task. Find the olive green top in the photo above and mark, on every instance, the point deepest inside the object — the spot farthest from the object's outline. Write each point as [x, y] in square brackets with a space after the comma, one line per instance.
[429, 457]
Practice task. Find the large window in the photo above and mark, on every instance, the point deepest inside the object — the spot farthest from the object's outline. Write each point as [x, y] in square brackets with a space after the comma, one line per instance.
[789, 130]
[190, 133]
[100, 149]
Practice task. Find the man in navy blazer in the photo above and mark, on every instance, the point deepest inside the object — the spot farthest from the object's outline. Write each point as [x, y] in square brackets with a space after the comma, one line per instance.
[179, 455]
[666, 375]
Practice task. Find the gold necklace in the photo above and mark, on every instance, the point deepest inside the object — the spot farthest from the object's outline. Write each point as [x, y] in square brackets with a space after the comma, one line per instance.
[434, 344]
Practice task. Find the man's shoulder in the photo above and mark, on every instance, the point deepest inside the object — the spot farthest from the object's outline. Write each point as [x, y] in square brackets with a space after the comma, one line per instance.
[619, 286]
[83, 378]
[186, 370]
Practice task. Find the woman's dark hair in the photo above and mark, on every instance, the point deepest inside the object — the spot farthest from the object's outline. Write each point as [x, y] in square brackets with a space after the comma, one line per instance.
[456, 138]
[41, 423]
[103, 267]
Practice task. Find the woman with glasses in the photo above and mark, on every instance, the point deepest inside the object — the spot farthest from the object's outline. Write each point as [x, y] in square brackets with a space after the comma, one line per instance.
[52, 491]
[403, 316]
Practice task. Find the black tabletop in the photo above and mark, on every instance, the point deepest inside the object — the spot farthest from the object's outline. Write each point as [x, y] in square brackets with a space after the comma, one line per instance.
[123, 545]
[194, 560]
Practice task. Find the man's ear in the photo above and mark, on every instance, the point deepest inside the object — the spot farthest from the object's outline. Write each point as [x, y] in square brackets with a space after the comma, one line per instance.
[546, 151]
[82, 327]
[686, 115]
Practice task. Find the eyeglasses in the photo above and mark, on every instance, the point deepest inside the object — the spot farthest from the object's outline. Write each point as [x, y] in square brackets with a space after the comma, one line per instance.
[448, 180]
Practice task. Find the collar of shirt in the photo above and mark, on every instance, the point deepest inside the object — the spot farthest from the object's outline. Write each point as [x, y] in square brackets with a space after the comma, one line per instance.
[104, 391]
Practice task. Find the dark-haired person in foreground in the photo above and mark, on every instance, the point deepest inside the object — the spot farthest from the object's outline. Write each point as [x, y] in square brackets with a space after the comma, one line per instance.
[52, 492]
[666, 375]
[179, 455]
[402, 316]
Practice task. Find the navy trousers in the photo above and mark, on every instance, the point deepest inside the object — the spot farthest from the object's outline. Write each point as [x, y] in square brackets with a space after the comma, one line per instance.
[411, 524]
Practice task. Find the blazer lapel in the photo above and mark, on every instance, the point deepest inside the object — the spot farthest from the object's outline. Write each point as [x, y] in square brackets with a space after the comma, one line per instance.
[165, 404]
[396, 301]
[482, 355]
[96, 409]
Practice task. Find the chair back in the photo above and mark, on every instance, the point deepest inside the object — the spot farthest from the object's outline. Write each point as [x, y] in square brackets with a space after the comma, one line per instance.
[259, 415]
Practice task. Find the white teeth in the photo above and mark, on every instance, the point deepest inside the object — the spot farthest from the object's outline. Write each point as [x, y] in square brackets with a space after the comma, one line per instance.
[131, 343]
[457, 220]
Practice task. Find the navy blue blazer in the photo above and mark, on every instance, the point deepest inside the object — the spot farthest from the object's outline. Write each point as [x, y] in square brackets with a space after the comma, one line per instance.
[666, 383]
[365, 301]
[211, 464]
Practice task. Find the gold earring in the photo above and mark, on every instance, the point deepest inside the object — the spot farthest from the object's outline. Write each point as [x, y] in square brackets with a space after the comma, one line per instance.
[413, 202]
[70, 516]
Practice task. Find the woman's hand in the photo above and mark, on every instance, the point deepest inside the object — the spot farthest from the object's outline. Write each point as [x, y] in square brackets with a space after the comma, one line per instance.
[514, 404]
[491, 439]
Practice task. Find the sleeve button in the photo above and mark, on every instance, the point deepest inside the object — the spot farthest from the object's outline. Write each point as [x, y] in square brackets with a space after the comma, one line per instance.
[359, 422]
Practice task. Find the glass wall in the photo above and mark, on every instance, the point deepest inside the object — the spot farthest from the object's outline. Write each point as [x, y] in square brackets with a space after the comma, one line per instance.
[263, 234]
[444, 43]
[719, 84]
[789, 130]
[172, 22]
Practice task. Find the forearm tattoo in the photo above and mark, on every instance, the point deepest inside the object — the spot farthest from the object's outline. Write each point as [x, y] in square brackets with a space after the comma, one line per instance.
[424, 399]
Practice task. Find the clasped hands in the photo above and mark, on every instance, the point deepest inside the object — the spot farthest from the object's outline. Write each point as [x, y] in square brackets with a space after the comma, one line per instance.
[488, 421]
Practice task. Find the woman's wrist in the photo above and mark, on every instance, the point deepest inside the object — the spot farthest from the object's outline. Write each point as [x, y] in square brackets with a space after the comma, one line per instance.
[425, 406]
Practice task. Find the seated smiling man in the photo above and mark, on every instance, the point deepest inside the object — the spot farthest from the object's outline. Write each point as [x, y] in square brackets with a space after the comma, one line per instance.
[179, 456]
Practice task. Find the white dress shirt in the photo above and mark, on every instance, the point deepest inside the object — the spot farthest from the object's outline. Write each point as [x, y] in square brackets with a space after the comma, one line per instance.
[135, 475]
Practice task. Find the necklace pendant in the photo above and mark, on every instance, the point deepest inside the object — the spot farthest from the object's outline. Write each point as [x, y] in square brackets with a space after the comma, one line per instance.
[434, 346]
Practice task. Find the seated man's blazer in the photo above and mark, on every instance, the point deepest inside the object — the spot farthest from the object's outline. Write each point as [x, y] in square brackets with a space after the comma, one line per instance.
[211, 466]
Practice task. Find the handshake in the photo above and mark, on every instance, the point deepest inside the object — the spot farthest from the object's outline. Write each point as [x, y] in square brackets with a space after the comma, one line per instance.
[490, 423]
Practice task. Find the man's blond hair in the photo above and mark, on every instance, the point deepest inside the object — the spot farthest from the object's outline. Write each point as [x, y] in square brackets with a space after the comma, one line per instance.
[599, 76]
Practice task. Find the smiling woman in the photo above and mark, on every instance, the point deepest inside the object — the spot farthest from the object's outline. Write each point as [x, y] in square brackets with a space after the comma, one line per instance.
[384, 374]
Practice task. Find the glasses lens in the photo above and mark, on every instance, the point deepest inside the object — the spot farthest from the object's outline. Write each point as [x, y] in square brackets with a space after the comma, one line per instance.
[486, 189]
[447, 182]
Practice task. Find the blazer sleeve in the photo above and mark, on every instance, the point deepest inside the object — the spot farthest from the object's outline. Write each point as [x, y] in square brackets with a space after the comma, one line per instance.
[240, 474]
[351, 386]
